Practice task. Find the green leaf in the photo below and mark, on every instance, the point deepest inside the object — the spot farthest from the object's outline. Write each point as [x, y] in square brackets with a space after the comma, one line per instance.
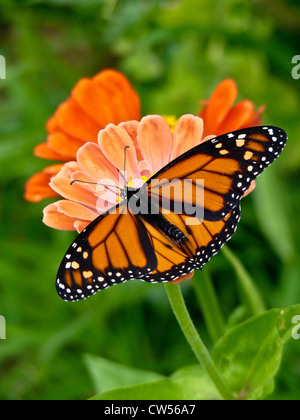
[108, 375]
[159, 390]
[249, 355]
[239, 315]
[189, 383]
[195, 383]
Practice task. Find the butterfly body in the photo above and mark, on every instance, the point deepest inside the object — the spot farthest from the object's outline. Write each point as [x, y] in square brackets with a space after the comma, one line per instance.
[168, 228]
[147, 237]
[139, 202]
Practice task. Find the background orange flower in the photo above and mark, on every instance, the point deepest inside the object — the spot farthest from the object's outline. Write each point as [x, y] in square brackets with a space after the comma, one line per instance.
[221, 116]
[106, 98]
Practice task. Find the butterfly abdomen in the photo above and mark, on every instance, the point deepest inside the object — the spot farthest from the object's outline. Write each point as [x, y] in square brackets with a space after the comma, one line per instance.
[172, 231]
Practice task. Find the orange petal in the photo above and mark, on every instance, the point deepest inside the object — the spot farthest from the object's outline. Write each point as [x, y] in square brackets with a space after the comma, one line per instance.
[98, 187]
[65, 144]
[94, 101]
[186, 277]
[219, 105]
[145, 169]
[124, 97]
[37, 187]
[75, 192]
[52, 124]
[155, 141]
[91, 159]
[57, 220]
[113, 141]
[74, 121]
[107, 98]
[85, 179]
[71, 171]
[76, 210]
[53, 169]
[187, 134]
[80, 225]
[68, 169]
[255, 118]
[105, 202]
[45, 152]
[131, 128]
[236, 117]
[250, 189]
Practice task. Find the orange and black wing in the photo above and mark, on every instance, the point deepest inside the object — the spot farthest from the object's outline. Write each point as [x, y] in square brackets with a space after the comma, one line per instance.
[114, 248]
[212, 178]
[205, 239]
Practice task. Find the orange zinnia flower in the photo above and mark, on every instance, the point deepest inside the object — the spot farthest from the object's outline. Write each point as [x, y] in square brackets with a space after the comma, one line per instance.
[94, 103]
[151, 146]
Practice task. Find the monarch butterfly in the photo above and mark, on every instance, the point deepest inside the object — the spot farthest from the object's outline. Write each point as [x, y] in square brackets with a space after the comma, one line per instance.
[160, 245]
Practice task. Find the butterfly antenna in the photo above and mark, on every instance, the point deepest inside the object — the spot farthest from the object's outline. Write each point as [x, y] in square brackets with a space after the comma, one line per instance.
[95, 183]
[125, 161]
[125, 157]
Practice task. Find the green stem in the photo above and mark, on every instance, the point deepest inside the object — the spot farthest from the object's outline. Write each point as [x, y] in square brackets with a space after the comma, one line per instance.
[251, 295]
[209, 304]
[194, 340]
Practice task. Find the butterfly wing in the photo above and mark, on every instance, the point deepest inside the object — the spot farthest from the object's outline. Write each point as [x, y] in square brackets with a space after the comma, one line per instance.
[112, 249]
[205, 239]
[211, 178]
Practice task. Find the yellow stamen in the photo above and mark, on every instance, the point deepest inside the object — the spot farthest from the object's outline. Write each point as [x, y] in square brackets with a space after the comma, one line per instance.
[130, 183]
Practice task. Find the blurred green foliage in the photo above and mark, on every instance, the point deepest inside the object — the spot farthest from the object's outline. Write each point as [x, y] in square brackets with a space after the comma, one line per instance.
[174, 52]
